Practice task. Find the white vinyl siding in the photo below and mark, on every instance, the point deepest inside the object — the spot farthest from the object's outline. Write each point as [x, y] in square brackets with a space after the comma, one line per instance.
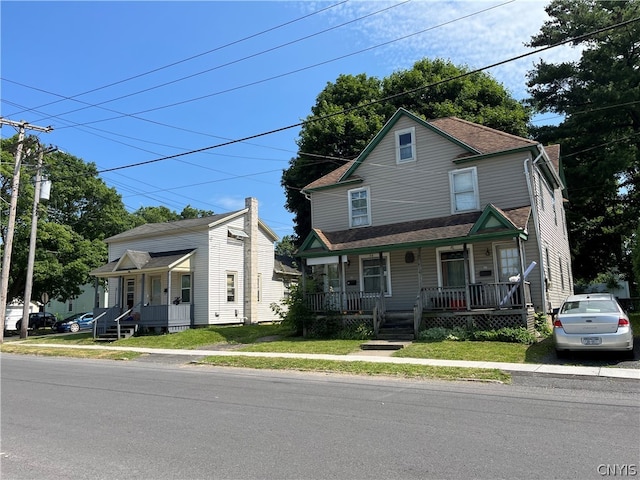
[359, 207]
[464, 190]
[405, 145]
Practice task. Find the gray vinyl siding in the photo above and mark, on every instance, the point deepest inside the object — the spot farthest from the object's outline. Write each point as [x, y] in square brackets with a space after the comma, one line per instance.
[553, 236]
[420, 189]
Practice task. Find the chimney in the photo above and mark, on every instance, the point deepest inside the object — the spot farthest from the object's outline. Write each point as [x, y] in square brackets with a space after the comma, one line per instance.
[251, 262]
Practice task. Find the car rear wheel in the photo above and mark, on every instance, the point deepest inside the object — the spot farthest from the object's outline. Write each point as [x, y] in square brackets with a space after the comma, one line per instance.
[74, 327]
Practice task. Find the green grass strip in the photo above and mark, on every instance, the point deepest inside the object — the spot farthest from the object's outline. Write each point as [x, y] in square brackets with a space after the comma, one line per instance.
[360, 368]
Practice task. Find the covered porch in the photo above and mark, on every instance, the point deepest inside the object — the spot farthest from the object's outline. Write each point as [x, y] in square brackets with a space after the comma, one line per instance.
[467, 269]
[153, 293]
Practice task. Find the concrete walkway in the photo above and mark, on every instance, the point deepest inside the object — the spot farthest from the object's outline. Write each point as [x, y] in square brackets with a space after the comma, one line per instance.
[381, 356]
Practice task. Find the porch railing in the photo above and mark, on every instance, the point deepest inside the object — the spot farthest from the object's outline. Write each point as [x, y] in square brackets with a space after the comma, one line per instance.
[342, 301]
[478, 296]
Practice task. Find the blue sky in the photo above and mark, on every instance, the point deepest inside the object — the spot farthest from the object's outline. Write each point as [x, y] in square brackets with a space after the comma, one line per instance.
[129, 82]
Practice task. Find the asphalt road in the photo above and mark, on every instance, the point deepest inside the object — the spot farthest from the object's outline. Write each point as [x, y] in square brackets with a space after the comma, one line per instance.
[70, 418]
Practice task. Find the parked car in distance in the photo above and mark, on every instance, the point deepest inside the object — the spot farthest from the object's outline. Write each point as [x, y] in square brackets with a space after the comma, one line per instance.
[38, 320]
[75, 323]
[592, 322]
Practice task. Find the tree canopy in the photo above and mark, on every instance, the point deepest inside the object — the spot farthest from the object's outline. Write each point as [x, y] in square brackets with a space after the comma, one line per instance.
[599, 98]
[82, 211]
[350, 111]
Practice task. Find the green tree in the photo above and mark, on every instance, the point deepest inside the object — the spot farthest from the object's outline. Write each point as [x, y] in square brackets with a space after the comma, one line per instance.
[72, 224]
[599, 97]
[161, 214]
[286, 246]
[349, 112]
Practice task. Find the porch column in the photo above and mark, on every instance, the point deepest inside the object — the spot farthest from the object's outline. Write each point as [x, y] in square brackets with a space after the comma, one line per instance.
[142, 290]
[169, 300]
[467, 277]
[343, 282]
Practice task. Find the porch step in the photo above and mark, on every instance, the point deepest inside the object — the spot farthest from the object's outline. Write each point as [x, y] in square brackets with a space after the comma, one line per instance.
[111, 333]
[397, 326]
[383, 345]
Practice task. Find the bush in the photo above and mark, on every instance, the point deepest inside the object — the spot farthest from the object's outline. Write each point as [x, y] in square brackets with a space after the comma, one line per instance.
[505, 334]
[356, 332]
[293, 311]
[542, 326]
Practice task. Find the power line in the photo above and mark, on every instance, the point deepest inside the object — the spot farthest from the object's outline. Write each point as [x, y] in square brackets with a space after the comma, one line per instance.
[374, 102]
[221, 47]
[233, 62]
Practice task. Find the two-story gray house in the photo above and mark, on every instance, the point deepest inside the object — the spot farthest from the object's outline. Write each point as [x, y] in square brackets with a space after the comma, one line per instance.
[452, 222]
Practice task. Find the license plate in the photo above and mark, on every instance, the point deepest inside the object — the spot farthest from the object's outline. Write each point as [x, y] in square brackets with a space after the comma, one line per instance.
[591, 340]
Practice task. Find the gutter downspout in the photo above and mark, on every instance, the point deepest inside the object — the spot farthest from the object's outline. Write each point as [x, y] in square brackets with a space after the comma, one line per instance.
[536, 224]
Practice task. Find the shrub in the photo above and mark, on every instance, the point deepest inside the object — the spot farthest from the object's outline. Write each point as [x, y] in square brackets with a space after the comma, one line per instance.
[293, 310]
[356, 332]
[541, 325]
[505, 334]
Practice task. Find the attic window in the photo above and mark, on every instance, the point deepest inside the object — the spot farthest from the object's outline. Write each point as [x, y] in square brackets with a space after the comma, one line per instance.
[237, 234]
[406, 145]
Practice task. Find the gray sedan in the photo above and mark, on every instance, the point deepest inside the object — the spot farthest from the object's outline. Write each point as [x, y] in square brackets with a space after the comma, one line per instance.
[593, 321]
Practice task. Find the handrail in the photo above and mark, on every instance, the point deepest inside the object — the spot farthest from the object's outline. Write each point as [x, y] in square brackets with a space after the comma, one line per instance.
[95, 323]
[117, 319]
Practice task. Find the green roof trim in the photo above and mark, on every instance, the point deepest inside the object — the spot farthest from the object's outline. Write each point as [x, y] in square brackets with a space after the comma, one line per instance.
[313, 241]
[427, 243]
[492, 219]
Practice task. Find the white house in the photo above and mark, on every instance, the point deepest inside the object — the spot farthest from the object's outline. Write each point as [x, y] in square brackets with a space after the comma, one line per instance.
[204, 271]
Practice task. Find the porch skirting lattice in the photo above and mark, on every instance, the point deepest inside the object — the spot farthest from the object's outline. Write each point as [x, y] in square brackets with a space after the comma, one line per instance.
[490, 320]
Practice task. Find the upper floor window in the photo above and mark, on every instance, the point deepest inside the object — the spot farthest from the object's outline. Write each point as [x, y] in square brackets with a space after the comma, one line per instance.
[359, 207]
[406, 145]
[464, 190]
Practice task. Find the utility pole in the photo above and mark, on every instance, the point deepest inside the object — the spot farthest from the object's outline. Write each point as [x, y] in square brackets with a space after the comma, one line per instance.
[22, 126]
[32, 242]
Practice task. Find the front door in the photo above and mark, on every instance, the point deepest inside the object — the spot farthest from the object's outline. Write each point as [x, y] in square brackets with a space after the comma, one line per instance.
[156, 291]
[129, 292]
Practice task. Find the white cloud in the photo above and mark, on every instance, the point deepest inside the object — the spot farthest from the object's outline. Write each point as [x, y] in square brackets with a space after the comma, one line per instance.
[450, 30]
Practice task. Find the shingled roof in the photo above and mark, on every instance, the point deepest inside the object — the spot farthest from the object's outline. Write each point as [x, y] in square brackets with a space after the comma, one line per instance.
[413, 232]
[478, 140]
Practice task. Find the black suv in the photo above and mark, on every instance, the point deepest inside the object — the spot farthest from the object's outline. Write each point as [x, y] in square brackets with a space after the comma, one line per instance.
[39, 320]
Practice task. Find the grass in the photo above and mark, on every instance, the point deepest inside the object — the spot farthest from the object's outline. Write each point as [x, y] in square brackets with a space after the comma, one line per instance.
[67, 352]
[362, 368]
[478, 351]
[276, 338]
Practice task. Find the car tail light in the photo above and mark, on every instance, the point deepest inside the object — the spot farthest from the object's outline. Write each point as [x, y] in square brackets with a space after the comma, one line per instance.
[623, 322]
[557, 323]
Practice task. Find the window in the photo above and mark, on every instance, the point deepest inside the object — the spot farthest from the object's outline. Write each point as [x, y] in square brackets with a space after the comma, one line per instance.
[548, 258]
[259, 287]
[406, 145]
[561, 273]
[452, 268]
[359, 209]
[370, 273]
[231, 287]
[508, 263]
[185, 286]
[464, 189]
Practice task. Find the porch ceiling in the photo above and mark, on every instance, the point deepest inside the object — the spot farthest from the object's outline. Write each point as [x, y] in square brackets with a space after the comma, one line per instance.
[434, 231]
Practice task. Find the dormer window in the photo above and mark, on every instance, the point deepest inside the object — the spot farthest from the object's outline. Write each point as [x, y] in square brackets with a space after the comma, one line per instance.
[406, 145]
